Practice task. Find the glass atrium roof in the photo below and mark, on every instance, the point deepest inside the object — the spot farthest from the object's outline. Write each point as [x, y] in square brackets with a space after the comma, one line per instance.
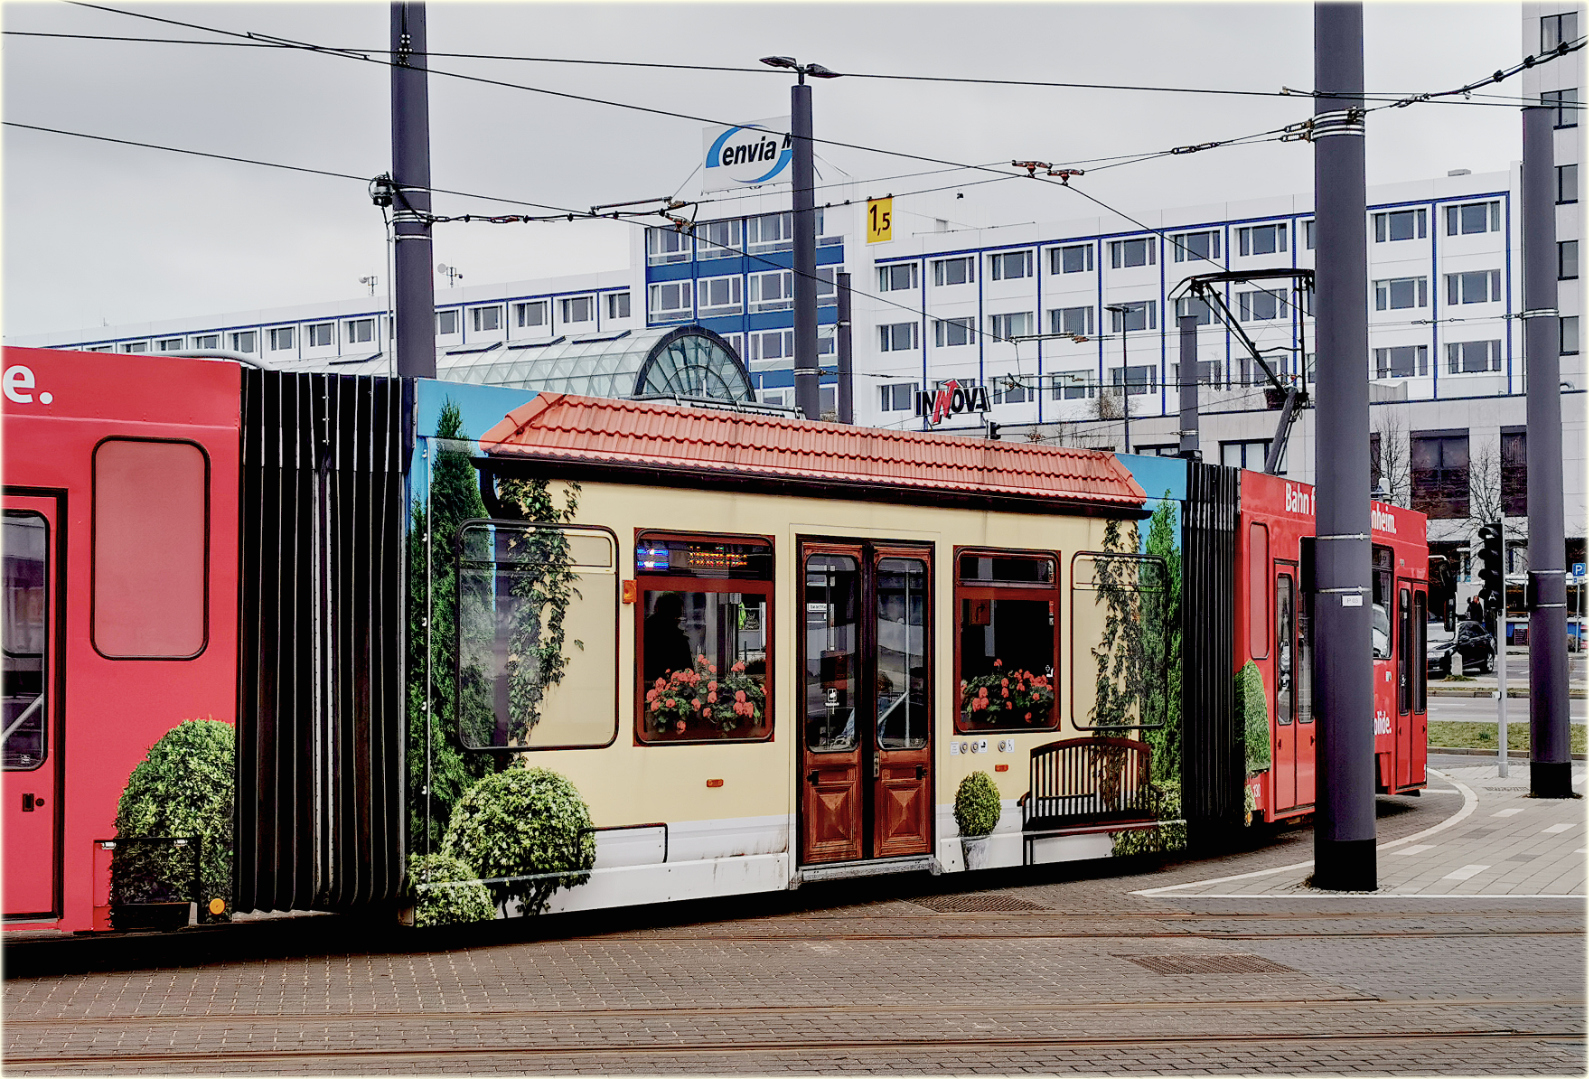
[663, 361]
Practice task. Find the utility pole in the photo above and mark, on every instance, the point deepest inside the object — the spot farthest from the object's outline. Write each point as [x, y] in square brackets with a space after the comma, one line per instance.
[1124, 311]
[846, 359]
[1189, 421]
[1343, 671]
[415, 295]
[807, 372]
[1550, 759]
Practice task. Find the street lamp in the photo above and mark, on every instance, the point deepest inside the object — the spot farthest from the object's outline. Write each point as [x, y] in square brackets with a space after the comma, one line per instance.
[807, 371]
[1123, 309]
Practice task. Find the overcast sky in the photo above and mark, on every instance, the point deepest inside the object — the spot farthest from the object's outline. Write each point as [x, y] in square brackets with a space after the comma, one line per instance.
[96, 233]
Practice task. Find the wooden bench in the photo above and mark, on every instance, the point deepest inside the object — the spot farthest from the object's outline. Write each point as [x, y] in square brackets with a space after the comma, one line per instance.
[1078, 783]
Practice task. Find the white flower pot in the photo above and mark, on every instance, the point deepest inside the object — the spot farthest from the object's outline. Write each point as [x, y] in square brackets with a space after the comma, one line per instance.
[975, 850]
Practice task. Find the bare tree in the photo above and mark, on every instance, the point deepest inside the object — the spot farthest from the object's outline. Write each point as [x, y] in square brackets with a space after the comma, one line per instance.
[1110, 402]
[1484, 483]
[1395, 471]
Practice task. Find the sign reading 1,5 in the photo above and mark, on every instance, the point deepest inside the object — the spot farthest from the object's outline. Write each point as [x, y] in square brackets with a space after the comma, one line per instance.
[879, 220]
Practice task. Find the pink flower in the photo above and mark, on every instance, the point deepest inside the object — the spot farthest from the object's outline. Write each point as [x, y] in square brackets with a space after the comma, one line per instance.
[679, 726]
[712, 686]
[738, 667]
[711, 698]
[983, 692]
[696, 703]
[1005, 692]
[1028, 717]
[712, 667]
[998, 663]
[1004, 681]
[651, 695]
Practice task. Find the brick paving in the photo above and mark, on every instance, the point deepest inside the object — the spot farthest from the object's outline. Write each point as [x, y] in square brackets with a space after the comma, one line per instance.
[1478, 975]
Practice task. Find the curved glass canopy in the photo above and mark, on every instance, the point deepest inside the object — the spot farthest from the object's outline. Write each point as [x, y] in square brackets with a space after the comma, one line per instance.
[663, 361]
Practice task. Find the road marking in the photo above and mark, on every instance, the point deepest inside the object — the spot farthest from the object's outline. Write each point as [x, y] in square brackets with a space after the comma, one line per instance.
[1465, 872]
[1506, 813]
[1417, 848]
[1554, 828]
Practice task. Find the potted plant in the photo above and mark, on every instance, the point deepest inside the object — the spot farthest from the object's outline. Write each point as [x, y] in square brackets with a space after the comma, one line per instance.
[701, 696]
[976, 814]
[1006, 696]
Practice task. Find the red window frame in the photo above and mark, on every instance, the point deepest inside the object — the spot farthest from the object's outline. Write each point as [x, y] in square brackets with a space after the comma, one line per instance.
[1006, 589]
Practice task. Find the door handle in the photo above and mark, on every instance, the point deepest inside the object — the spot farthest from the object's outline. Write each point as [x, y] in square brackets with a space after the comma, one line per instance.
[877, 767]
[811, 777]
[31, 802]
[921, 771]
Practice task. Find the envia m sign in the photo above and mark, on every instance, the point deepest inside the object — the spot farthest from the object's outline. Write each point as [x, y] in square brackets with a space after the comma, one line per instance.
[746, 155]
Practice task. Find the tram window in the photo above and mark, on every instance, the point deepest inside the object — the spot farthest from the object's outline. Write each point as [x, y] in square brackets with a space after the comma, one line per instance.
[1258, 590]
[831, 599]
[1285, 638]
[1380, 577]
[1007, 604]
[151, 547]
[518, 587]
[1119, 618]
[903, 689]
[27, 576]
[703, 649]
[1419, 650]
[1404, 664]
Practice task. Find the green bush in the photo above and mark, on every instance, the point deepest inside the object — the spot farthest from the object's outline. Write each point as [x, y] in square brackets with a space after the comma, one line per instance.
[523, 822]
[182, 788]
[445, 891]
[1252, 717]
[976, 805]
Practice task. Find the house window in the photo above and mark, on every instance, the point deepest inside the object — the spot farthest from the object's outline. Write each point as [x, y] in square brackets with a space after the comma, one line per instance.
[1139, 252]
[150, 549]
[1008, 265]
[1076, 321]
[1192, 246]
[486, 319]
[703, 647]
[900, 397]
[1473, 217]
[1440, 474]
[244, 341]
[1250, 454]
[1401, 225]
[1140, 315]
[1566, 184]
[1136, 380]
[1071, 385]
[670, 299]
[1010, 390]
[717, 239]
[323, 334]
[446, 324]
[1309, 233]
[1191, 305]
[897, 277]
[769, 232]
[773, 291]
[719, 295]
[1480, 286]
[505, 697]
[281, 339]
[207, 340]
[618, 305]
[827, 285]
[1260, 305]
[578, 309]
[949, 332]
[957, 271]
[170, 344]
[533, 313]
[1554, 30]
[1072, 258]
[1007, 614]
[1470, 357]
[1261, 239]
[769, 347]
[362, 330]
[667, 245]
[1569, 334]
[1397, 293]
[143, 346]
[898, 337]
[736, 341]
[1207, 373]
[1565, 102]
[1566, 260]
[1401, 362]
[1014, 324]
[1514, 473]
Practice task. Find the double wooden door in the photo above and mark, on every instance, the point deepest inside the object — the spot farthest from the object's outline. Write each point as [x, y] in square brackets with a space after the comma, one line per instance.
[1295, 734]
[866, 700]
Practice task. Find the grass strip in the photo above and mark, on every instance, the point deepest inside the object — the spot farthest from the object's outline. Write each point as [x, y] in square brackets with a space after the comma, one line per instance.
[1457, 734]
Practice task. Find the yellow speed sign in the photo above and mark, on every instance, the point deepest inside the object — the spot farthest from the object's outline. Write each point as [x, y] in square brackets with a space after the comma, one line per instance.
[879, 220]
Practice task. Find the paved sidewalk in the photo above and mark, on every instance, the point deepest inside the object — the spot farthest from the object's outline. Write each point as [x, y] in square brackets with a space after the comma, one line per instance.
[1501, 842]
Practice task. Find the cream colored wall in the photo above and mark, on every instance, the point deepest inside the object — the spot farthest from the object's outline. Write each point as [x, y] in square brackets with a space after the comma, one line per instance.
[627, 783]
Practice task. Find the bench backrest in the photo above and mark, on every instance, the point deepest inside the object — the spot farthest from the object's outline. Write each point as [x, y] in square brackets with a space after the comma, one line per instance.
[1085, 780]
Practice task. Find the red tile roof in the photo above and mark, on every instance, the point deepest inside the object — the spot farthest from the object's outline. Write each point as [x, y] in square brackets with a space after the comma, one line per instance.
[670, 438]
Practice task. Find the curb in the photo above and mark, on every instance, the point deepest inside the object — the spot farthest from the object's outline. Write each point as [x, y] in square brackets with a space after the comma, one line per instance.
[1520, 757]
[1577, 693]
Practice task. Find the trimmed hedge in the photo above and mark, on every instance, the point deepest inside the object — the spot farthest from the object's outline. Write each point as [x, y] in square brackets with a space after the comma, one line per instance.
[1252, 717]
[976, 805]
[523, 822]
[445, 891]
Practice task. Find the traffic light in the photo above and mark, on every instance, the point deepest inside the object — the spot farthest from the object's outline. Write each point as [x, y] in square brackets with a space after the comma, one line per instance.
[1492, 578]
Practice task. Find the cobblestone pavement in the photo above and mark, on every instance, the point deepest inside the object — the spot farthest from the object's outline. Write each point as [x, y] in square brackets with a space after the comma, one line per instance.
[1185, 967]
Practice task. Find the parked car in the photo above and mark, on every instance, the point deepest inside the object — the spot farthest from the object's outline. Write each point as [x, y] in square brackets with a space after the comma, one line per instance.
[1471, 646]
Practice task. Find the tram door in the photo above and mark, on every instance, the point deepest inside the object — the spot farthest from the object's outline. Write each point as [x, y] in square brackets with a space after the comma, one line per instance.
[30, 708]
[1295, 734]
[1412, 712]
[866, 691]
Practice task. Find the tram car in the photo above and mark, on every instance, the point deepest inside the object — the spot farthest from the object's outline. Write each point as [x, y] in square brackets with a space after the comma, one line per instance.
[481, 652]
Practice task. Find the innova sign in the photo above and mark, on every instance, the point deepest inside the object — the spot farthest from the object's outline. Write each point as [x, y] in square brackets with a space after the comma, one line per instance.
[747, 155]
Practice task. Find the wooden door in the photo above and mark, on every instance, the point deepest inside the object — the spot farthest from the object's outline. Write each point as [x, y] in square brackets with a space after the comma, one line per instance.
[1285, 695]
[31, 709]
[866, 692]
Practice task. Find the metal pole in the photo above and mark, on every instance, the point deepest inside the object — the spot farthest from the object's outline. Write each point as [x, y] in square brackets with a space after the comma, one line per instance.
[1189, 419]
[846, 361]
[415, 296]
[1502, 766]
[807, 373]
[1550, 758]
[1125, 377]
[1343, 834]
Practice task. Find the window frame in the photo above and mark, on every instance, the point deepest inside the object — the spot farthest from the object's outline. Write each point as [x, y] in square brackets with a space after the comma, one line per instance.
[736, 293]
[940, 266]
[888, 333]
[565, 305]
[1118, 251]
[523, 307]
[50, 658]
[1245, 234]
[1558, 100]
[686, 292]
[645, 583]
[1054, 591]
[1075, 679]
[1567, 182]
[330, 328]
[1056, 258]
[1056, 320]
[450, 312]
[886, 275]
[613, 304]
[1385, 219]
[1566, 258]
[755, 304]
[1181, 241]
[276, 334]
[1000, 262]
[940, 331]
